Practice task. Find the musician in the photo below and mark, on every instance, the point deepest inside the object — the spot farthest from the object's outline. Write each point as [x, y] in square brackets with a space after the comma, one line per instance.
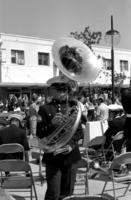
[126, 100]
[60, 168]
[115, 125]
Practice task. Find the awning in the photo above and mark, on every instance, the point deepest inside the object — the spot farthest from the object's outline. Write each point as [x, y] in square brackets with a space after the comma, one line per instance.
[14, 85]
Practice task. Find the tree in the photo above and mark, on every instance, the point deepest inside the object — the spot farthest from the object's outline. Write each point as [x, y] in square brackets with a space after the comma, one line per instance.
[119, 78]
[88, 37]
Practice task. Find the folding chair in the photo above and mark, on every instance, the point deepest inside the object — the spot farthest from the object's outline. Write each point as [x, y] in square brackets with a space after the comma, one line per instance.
[83, 172]
[96, 151]
[12, 148]
[18, 180]
[88, 197]
[37, 153]
[118, 137]
[121, 163]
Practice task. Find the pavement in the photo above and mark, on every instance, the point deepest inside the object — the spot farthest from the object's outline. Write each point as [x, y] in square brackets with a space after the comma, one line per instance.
[95, 186]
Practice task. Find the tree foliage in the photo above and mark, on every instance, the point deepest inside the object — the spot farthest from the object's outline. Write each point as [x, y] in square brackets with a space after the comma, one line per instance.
[88, 37]
[119, 78]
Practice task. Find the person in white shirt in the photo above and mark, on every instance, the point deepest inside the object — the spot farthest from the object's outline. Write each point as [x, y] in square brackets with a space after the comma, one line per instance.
[33, 115]
[84, 110]
[90, 109]
[102, 110]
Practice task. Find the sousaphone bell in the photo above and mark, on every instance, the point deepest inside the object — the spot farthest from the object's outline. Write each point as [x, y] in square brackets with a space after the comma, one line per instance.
[75, 60]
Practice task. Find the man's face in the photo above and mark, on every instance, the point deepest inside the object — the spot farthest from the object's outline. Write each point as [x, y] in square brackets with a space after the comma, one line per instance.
[15, 122]
[60, 92]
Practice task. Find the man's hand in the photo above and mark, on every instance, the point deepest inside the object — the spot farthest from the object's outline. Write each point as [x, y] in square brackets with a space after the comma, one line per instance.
[69, 149]
[64, 150]
[59, 119]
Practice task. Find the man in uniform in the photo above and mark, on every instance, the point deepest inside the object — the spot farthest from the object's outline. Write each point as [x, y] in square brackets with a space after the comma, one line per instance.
[126, 103]
[60, 168]
[115, 125]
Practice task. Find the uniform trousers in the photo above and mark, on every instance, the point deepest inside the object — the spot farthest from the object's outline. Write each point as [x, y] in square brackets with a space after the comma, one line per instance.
[60, 181]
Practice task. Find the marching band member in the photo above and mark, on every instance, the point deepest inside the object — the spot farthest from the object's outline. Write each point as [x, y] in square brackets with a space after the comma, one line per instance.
[126, 100]
[60, 168]
[116, 123]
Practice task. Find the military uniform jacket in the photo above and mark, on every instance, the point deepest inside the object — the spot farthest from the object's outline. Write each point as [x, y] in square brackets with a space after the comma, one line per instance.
[45, 128]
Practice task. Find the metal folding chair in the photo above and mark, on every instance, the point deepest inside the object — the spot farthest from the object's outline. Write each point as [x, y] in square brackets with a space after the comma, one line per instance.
[120, 164]
[88, 197]
[20, 178]
[110, 151]
[119, 136]
[37, 153]
[83, 172]
[12, 148]
[96, 151]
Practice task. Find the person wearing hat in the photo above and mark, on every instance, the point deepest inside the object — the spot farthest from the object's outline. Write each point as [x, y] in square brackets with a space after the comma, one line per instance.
[115, 110]
[15, 134]
[60, 168]
[126, 103]
[115, 124]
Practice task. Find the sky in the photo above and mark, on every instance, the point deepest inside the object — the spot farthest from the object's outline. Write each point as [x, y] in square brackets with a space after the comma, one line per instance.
[52, 19]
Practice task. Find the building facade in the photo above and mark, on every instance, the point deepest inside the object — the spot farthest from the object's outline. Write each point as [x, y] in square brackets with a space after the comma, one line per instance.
[122, 62]
[27, 61]
[25, 64]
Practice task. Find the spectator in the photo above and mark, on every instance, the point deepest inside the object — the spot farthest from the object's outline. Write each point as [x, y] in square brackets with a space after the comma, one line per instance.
[84, 110]
[91, 109]
[102, 112]
[15, 134]
[33, 115]
[3, 123]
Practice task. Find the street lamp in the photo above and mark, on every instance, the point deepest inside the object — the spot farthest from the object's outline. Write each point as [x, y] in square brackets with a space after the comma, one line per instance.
[0, 58]
[112, 37]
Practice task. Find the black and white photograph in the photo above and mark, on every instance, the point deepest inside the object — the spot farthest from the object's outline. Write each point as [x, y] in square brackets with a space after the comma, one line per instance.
[65, 99]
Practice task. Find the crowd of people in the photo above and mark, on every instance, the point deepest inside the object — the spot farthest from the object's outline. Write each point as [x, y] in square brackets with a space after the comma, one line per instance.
[94, 106]
[42, 115]
[89, 100]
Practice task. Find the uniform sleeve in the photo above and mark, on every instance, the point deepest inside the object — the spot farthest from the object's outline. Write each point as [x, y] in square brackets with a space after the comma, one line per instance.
[41, 124]
[44, 127]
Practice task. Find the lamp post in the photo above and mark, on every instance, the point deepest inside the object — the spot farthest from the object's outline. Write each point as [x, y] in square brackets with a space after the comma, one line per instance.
[0, 59]
[112, 37]
[130, 76]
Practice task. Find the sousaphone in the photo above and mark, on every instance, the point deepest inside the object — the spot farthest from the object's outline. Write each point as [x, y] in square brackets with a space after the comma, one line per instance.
[78, 64]
[75, 60]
